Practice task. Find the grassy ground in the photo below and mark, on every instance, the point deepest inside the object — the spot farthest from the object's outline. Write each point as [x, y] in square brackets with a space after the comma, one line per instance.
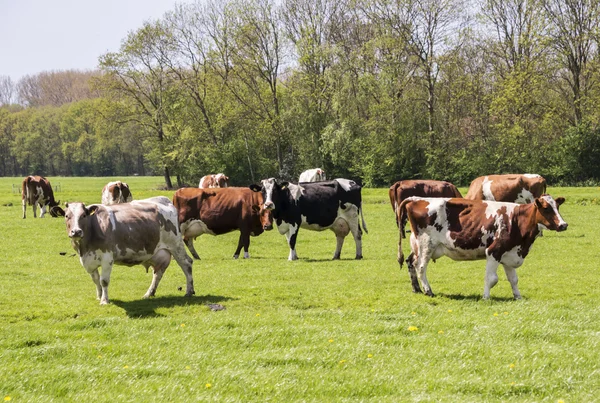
[310, 330]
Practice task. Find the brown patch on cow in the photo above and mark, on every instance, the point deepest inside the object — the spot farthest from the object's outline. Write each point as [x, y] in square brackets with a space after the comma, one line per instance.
[506, 188]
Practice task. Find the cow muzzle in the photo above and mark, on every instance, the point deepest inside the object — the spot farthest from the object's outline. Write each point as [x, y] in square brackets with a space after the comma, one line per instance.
[562, 227]
[76, 233]
[268, 227]
[269, 205]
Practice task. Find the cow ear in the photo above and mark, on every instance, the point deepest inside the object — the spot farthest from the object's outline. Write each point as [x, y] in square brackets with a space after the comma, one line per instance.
[559, 200]
[255, 188]
[67, 204]
[92, 210]
[538, 203]
[284, 185]
[255, 208]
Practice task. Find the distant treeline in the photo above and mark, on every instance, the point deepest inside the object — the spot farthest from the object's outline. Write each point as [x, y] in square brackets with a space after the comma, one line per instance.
[373, 90]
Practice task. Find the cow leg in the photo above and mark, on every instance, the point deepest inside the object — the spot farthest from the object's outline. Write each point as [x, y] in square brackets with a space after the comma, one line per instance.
[105, 280]
[341, 229]
[291, 236]
[42, 210]
[96, 279]
[185, 262]
[190, 244]
[24, 203]
[410, 262]
[244, 241]
[357, 234]
[511, 275]
[35, 210]
[491, 276]
[338, 246]
[423, 257]
[160, 262]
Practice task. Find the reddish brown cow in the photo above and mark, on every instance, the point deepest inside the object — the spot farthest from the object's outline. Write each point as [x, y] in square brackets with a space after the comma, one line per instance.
[37, 190]
[218, 211]
[514, 188]
[422, 188]
[500, 233]
[214, 181]
[115, 193]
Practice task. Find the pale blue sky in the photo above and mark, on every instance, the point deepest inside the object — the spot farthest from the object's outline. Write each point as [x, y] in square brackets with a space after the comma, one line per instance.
[43, 35]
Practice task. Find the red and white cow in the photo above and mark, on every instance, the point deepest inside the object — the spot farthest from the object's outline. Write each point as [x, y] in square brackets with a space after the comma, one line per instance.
[214, 181]
[499, 232]
[312, 175]
[37, 190]
[513, 188]
[141, 232]
[219, 211]
[422, 188]
[115, 193]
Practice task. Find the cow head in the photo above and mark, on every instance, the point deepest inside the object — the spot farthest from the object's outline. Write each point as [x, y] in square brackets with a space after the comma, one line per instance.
[76, 219]
[547, 215]
[57, 211]
[221, 180]
[265, 216]
[272, 192]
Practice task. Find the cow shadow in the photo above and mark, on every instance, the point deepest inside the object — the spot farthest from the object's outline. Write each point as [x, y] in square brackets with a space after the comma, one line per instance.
[472, 297]
[146, 308]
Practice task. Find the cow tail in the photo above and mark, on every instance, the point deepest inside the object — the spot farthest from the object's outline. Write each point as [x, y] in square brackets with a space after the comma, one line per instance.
[25, 190]
[402, 213]
[364, 224]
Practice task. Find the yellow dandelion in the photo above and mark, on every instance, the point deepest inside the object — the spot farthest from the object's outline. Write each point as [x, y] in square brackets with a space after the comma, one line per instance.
[342, 361]
[413, 313]
[513, 384]
[369, 355]
[441, 332]
[511, 366]
[330, 340]
[506, 313]
[188, 367]
[125, 366]
[258, 314]
[561, 401]
[412, 328]
[7, 398]
[450, 310]
[99, 356]
[495, 313]
[208, 386]
[182, 325]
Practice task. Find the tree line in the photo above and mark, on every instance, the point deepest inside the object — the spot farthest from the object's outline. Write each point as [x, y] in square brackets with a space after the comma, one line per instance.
[373, 90]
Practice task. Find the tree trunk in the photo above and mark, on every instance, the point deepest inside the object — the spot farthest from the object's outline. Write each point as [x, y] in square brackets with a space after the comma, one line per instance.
[168, 178]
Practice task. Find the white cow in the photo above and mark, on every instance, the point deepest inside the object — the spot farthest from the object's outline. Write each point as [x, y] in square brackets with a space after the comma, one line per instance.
[312, 175]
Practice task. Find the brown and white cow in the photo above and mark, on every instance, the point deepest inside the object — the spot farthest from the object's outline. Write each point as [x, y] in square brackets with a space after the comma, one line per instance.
[499, 232]
[513, 188]
[37, 190]
[422, 188]
[141, 232]
[219, 211]
[115, 193]
[214, 181]
[312, 175]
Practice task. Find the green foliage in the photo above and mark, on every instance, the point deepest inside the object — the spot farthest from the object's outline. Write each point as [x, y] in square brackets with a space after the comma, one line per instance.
[310, 330]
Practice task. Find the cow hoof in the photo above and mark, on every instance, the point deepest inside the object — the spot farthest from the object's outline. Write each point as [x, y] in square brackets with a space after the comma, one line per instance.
[104, 302]
[236, 256]
[336, 257]
[358, 257]
[430, 294]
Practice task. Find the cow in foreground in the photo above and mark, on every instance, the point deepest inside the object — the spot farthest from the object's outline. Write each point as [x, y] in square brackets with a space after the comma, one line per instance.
[214, 181]
[422, 188]
[141, 232]
[219, 211]
[499, 232]
[312, 175]
[36, 190]
[334, 205]
[115, 193]
[514, 188]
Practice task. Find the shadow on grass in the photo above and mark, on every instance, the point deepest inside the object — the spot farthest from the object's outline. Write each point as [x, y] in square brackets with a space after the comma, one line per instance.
[146, 308]
[473, 297]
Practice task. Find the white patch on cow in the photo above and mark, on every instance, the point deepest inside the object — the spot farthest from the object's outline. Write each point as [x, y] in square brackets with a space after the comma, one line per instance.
[492, 207]
[524, 197]
[313, 227]
[312, 175]
[346, 184]
[268, 184]
[194, 228]
[246, 255]
[296, 191]
[532, 176]
[437, 205]
[486, 187]
[511, 258]
[111, 216]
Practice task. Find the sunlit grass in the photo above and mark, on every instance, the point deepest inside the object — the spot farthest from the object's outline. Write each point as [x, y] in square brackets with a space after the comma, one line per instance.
[310, 330]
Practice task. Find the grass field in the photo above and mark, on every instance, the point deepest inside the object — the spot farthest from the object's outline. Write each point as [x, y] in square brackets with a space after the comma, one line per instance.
[311, 330]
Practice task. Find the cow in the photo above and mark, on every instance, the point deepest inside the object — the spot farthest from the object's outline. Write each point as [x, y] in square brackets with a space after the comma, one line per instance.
[499, 232]
[312, 175]
[423, 188]
[317, 206]
[514, 188]
[141, 232]
[116, 192]
[37, 190]
[219, 211]
[214, 181]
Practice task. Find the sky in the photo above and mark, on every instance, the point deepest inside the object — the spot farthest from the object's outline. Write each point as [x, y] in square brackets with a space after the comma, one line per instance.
[45, 35]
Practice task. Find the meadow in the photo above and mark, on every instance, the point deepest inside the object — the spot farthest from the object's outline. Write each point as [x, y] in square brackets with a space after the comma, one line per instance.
[310, 330]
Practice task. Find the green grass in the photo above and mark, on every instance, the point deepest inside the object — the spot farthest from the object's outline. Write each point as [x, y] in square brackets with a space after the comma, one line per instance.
[310, 330]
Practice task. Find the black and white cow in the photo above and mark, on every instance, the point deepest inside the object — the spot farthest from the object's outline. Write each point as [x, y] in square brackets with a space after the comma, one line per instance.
[334, 205]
